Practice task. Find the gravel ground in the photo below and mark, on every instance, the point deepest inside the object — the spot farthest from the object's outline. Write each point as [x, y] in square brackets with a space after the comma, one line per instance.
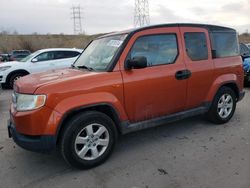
[189, 153]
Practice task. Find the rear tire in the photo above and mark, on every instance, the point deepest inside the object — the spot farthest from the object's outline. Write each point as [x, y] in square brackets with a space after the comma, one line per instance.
[88, 139]
[223, 106]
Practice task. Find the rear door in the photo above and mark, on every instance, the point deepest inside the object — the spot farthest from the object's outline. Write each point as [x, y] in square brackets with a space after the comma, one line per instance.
[154, 91]
[198, 60]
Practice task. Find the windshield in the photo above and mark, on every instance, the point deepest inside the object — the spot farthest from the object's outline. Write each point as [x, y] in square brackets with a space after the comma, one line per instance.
[31, 56]
[98, 55]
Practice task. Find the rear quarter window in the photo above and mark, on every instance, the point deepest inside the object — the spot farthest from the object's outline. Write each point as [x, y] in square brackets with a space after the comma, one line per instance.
[225, 44]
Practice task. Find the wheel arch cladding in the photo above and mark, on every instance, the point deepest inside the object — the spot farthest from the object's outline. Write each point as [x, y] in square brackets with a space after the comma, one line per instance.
[16, 72]
[234, 87]
[105, 108]
[229, 80]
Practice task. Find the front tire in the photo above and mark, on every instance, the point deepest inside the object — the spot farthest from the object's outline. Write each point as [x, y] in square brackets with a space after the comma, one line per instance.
[5, 86]
[14, 78]
[88, 140]
[223, 106]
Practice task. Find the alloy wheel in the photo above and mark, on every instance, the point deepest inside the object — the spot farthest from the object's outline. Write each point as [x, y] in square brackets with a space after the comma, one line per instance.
[92, 141]
[225, 105]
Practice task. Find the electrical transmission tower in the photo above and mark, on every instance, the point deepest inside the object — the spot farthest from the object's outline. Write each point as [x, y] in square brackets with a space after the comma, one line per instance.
[141, 17]
[77, 19]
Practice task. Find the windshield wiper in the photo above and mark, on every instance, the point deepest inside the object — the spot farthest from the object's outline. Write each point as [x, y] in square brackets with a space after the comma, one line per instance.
[85, 67]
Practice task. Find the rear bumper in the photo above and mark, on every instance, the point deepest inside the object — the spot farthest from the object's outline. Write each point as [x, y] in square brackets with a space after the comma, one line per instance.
[32, 143]
[241, 95]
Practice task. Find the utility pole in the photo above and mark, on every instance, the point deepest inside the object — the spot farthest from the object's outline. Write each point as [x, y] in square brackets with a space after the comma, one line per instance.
[141, 14]
[77, 19]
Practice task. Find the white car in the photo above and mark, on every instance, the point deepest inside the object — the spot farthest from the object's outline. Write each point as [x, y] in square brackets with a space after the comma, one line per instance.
[39, 61]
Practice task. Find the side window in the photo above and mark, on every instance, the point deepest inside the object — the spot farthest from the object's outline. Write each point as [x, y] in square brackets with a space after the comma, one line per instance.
[70, 54]
[158, 49]
[244, 50]
[196, 46]
[59, 55]
[65, 54]
[46, 56]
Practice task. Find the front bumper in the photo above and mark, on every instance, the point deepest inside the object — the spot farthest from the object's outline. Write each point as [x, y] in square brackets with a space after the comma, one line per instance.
[2, 78]
[33, 143]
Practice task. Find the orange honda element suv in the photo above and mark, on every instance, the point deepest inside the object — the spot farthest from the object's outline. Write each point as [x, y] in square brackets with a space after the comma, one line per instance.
[124, 82]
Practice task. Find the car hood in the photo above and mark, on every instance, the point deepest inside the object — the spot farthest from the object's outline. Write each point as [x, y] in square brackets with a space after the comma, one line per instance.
[30, 83]
[10, 63]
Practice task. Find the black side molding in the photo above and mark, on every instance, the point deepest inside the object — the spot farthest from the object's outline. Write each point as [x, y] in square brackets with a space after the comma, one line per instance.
[127, 127]
[241, 95]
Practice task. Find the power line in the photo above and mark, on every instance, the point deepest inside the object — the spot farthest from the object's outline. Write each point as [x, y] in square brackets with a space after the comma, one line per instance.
[141, 14]
[77, 19]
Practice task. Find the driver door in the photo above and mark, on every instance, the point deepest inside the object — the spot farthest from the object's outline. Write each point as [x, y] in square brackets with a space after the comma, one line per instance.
[154, 91]
[42, 62]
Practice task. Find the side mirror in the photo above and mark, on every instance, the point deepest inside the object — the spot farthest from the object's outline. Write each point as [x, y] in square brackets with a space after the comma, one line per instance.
[137, 62]
[34, 60]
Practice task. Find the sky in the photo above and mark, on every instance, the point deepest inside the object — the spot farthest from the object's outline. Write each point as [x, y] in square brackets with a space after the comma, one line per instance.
[101, 16]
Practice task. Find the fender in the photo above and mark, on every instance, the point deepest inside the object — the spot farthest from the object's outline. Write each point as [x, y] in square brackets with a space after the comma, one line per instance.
[89, 99]
[220, 81]
[84, 101]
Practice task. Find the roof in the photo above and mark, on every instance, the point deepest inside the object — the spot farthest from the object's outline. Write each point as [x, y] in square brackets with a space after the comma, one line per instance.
[61, 49]
[210, 28]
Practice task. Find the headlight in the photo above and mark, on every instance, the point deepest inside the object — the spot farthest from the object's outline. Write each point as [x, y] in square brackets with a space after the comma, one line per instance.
[24, 102]
[4, 68]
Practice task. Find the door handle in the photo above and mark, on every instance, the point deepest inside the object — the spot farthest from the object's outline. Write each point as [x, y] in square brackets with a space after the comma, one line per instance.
[183, 74]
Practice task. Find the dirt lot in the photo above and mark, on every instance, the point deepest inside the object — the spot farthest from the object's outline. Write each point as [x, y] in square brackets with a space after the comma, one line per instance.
[190, 153]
